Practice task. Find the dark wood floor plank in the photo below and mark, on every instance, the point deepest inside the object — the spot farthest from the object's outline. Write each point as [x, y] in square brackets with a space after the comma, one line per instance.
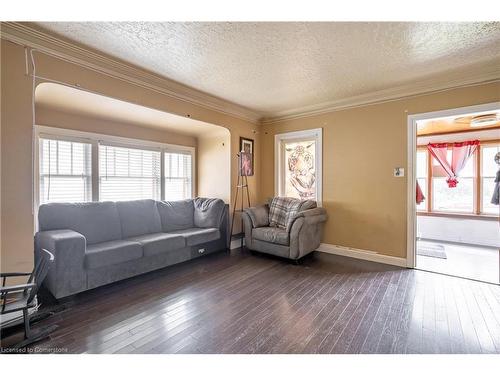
[142, 309]
[210, 301]
[289, 338]
[468, 329]
[340, 302]
[368, 318]
[342, 334]
[455, 331]
[376, 330]
[490, 318]
[242, 303]
[443, 337]
[394, 316]
[480, 326]
[291, 325]
[244, 322]
[216, 324]
[400, 340]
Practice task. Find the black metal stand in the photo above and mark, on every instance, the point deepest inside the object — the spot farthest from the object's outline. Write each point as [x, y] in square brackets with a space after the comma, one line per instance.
[241, 184]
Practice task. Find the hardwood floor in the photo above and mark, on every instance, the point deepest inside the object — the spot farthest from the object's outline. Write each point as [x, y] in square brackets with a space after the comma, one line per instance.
[243, 303]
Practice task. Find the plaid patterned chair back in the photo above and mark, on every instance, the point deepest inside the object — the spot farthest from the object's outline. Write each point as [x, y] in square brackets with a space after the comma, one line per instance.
[283, 209]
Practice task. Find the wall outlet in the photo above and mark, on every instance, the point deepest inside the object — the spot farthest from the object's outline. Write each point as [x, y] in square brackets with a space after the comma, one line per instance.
[201, 251]
[399, 172]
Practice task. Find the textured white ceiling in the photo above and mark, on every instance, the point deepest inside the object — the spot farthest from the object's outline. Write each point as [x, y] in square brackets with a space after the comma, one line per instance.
[277, 67]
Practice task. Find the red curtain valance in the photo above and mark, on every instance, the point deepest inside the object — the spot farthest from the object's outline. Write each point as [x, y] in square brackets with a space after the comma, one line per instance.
[454, 144]
[460, 153]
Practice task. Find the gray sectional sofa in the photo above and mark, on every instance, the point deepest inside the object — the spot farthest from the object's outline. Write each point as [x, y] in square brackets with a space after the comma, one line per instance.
[99, 243]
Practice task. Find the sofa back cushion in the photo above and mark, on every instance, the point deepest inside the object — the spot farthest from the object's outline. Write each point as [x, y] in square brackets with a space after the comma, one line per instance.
[208, 212]
[139, 217]
[176, 215]
[97, 221]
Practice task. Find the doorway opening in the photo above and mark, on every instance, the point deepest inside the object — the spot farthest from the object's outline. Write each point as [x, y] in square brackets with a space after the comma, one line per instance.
[455, 166]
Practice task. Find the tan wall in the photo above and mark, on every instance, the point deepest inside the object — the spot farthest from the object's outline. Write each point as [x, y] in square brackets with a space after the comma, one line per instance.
[214, 167]
[59, 119]
[361, 146]
[16, 146]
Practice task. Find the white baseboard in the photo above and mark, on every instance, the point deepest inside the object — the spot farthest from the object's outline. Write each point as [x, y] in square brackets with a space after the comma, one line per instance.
[371, 256]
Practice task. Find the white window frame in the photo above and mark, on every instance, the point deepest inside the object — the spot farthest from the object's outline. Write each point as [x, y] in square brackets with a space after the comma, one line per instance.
[279, 159]
[95, 139]
[480, 177]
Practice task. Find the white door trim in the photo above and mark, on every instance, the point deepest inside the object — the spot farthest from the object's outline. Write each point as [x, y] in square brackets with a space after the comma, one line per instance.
[412, 150]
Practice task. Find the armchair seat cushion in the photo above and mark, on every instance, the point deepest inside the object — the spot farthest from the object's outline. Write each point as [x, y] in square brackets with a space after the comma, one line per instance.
[195, 236]
[157, 243]
[272, 234]
[111, 252]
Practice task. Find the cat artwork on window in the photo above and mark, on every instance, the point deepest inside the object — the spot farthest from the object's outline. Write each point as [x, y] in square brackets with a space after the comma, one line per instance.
[300, 174]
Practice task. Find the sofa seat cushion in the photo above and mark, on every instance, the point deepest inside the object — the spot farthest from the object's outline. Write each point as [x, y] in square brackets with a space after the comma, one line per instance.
[196, 236]
[157, 243]
[111, 252]
[271, 234]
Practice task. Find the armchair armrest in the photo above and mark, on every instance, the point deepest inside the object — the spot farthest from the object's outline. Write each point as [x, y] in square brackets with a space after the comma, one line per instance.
[67, 275]
[311, 216]
[259, 215]
[305, 231]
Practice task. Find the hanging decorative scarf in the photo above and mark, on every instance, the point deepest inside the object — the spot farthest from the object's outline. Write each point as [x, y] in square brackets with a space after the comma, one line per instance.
[460, 153]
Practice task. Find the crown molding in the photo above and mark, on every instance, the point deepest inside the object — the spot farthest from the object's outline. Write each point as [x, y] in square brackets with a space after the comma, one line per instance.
[51, 45]
[463, 78]
[44, 42]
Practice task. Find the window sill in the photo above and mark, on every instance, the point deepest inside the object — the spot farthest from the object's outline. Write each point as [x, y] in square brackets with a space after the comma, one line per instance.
[459, 215]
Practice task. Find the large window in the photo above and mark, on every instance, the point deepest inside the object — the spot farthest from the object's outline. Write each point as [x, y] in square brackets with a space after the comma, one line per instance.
[299, 164]
[488, 172]
[65, 171]
[128, 173]
[178, 175]
[74, 166]
[474, 190]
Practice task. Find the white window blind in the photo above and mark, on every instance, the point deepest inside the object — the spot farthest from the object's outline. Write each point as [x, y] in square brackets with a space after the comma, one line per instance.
[178, 176]
[128, 173]
[65, 171]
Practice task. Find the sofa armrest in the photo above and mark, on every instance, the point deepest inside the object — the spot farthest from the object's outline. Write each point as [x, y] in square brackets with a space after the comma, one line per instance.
[67, 276]
[306, 231]
[259, 215]
[208, 212]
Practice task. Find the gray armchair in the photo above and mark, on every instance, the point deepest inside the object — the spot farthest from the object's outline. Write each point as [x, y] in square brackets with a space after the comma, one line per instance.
[301, 235]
